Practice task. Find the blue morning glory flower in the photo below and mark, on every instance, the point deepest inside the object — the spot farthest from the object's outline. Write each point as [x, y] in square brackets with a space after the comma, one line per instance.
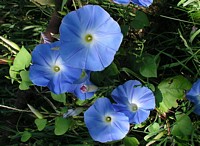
[104, 123]
[134, 100]
[84, 90]
[193, 95]
[89, 38]
[144, 3]
[48, 69]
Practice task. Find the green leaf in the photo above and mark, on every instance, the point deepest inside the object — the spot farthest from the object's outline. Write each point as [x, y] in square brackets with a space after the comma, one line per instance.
[59, 97]
[111, 70]
[148, 66]
[10, 43]
[170, 90]
[183, 126]
[62, 125]
[44, 2]
[13, 73]
[104, 77]
[125, 29]
[40, 123]
[36, 112]
[154, 128]
[140, 20]
[193, 35]
[22, 60]
[26, 82]
[63, 4]
[131, 141]
[26, 136]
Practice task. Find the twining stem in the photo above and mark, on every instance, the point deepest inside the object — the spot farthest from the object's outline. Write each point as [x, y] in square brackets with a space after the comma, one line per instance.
[74, 5]
[15, 109]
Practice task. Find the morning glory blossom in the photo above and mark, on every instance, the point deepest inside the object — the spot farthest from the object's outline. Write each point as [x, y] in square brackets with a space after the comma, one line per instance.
[89, 38]
[104, 123]
[84, 90]
[193, 95]
[48, 69]
[144, 3]
[134, 100]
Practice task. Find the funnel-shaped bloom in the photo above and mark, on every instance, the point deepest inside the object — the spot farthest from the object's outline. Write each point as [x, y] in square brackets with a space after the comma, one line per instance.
[144, 3]
[104, 123]
[193, 95]
[48, 69]
[85, 90]
[134, 101]
[89, 38]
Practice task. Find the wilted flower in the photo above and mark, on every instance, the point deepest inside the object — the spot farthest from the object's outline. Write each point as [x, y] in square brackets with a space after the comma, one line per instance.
[134, 101]
[89, 38]
[84, 90]
[193, 95]
[144, 3]
[104, 123]
[48, 69]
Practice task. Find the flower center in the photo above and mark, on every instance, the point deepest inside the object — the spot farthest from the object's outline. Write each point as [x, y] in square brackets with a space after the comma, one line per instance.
[56, 68]
[88, 38]
[84, 88]
[108, 119]
[134, 107]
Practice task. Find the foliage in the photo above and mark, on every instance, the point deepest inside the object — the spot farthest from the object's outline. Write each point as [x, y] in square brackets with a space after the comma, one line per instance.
[160, 49]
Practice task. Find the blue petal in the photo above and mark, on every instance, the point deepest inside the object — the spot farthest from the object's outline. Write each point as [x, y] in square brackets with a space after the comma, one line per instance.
[91, 12]
[98, 59]
[140, 116]
[70, 74]
[117, 130]
[99, 129]
[122, 1]
[197, 109]
[144, 3]
[78, 93]
[40, 75]
[83, 96]
[144, 97]
[74, 54]
[70, 27]
[134, 117]
[123, 93]
[59, 85]
[42, 54]
[194, 93]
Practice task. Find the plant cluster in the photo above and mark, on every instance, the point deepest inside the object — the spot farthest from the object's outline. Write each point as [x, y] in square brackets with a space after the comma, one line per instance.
[108, 78]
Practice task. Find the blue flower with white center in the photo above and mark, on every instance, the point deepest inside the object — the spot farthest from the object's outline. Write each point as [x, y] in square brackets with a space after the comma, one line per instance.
[48, 69]
[89, 38]
[134, 100]
[144, 3]
[104, 123]
[193, 95]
